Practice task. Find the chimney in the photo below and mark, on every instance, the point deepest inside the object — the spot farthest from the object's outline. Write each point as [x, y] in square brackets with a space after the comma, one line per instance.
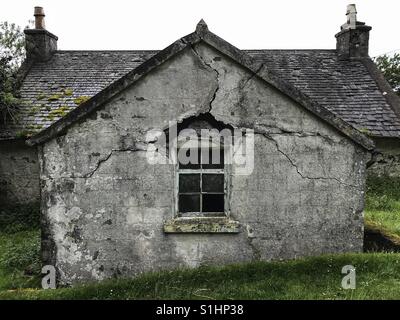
[352, 40]
[40, 44]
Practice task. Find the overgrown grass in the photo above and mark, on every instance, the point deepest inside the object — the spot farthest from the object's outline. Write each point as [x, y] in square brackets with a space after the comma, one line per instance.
[19, 218]
[19, 260]
[19, 247]
[383, 205]
[378, 274]
[378, 277]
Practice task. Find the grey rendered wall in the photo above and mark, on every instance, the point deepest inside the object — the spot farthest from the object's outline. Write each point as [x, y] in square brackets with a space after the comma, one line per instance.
[387, 161]
[104, 205]
[19, 174]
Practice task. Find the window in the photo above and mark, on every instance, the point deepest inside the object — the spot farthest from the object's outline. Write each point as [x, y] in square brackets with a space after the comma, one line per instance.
[201, 181]
[202, 177]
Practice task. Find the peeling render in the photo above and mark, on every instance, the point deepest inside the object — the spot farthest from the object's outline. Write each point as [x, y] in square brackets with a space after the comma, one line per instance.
[108, 212]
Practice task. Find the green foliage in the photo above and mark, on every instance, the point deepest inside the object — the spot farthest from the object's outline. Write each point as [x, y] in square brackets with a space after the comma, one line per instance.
[19, 247]
[12, 44]
[390, 66]
[383, 206]
[19, 259]
[19, 218]
[12, 53]
[21, 254]
[383, 193]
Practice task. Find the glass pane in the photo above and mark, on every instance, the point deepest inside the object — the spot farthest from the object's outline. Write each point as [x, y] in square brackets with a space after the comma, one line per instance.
[213, 158]
[189, 183]
[213, 183]
[213, 203]
[190, 158]
[189, 203]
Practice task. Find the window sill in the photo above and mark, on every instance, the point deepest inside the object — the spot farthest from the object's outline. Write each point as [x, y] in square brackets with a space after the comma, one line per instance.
[202, 225]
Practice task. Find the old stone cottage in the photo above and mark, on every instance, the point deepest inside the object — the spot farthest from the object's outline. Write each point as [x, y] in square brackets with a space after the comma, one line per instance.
[84, 127]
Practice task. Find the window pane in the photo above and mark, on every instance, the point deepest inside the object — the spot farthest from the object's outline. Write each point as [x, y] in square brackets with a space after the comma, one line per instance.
[213, 158]
[189, 203]
[213, 183]
[189, 155]
[213, 203]
[189, 183]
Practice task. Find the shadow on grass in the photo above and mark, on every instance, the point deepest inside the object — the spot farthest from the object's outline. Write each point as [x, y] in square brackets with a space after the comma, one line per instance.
[377, 240]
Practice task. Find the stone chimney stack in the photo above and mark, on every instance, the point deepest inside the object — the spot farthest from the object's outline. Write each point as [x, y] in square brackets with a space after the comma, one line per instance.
[40, 44]
[352, 40]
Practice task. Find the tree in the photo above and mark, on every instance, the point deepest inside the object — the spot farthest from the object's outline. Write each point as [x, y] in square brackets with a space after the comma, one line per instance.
[12, 53]
[390, 67]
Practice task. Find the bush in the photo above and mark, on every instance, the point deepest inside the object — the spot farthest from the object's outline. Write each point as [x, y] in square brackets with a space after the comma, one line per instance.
[383, 193]
[20, 218]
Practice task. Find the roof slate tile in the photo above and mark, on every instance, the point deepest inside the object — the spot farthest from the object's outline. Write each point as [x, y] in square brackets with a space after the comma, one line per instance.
[52, 89]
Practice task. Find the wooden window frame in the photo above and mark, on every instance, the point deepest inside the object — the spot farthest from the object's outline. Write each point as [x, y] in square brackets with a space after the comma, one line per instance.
[225, 171]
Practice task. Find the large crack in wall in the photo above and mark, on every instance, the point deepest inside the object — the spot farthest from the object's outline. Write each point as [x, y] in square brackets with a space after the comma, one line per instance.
[217, 75]
[293, 163]
[101, 161]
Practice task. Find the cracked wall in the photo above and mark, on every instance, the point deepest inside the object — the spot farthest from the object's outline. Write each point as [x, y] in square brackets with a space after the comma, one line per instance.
[19, 174]
[104, 206]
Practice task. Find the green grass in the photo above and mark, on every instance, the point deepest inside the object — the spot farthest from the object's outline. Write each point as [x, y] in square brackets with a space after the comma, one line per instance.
[383, 206]
[19, 247]
[378, 277]
[19, 259]
[378, 274]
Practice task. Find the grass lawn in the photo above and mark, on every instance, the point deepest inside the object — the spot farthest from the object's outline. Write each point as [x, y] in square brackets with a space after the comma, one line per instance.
[378, 277]
[378, 274]
[383, 207]
[19, 257]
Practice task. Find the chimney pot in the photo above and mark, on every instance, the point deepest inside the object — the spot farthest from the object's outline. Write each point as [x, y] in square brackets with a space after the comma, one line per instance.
[39, 18]
[351, 16]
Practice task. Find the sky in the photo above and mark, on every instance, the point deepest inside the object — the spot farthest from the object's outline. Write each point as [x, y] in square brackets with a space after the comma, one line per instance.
[250, 24]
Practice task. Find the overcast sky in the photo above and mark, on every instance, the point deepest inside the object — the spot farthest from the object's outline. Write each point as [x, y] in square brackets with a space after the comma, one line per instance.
[250, 24]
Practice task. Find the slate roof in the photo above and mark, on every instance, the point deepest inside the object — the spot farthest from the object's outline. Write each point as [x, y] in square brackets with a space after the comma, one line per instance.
[344, 87]
[52, 89]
